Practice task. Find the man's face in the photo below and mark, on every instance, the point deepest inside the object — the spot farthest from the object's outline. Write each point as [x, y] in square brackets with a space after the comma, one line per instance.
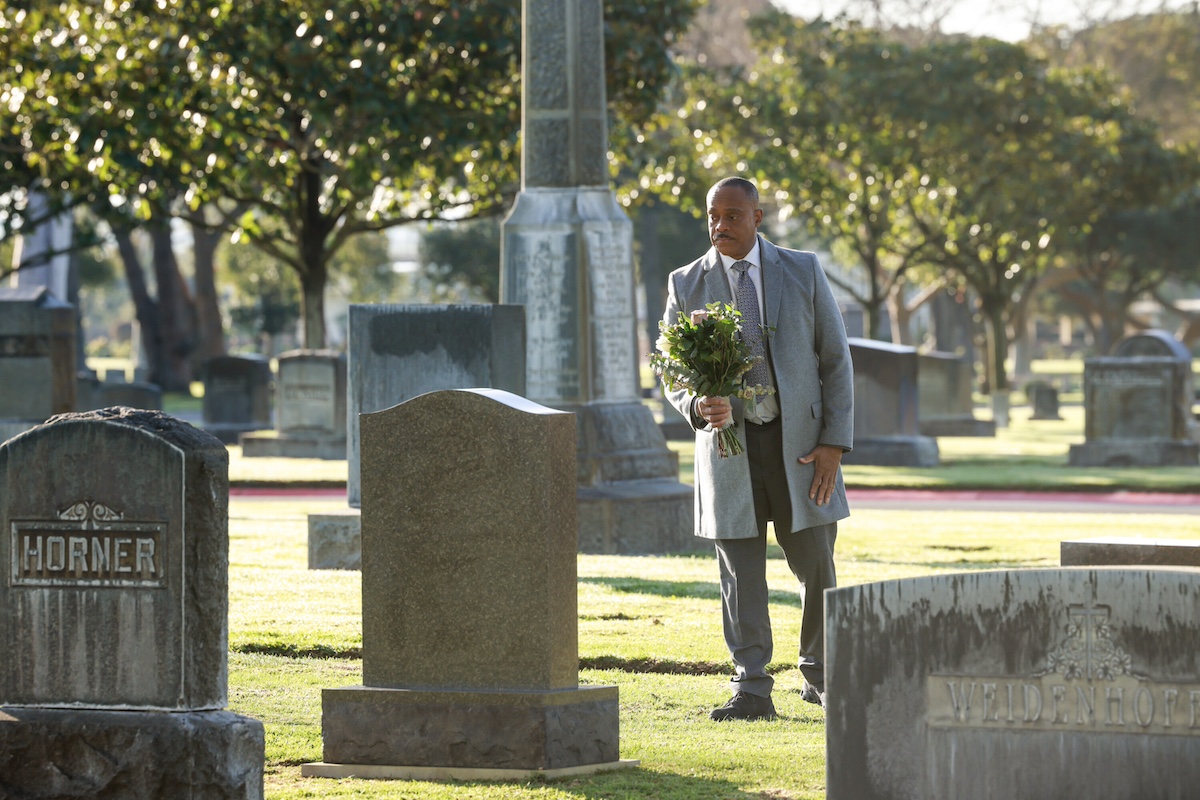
[732, 221]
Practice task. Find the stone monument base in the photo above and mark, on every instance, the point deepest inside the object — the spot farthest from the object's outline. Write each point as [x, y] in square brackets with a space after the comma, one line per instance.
[375, 772]
[47, 754]
[335, 539]
[893, 451]
[630, 497]
[955, 426]
[468, 729]
[269, 444]
[1125, 551]
[625, 517]
[1134, 453]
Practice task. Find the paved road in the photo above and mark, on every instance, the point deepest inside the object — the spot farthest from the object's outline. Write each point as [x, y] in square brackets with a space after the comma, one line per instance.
[1063, 502]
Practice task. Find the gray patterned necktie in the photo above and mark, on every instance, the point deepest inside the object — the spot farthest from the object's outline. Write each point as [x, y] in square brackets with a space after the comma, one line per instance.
[752, 327]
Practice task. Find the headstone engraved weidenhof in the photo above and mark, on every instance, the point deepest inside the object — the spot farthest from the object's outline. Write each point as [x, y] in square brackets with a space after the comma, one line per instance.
[1023, 683]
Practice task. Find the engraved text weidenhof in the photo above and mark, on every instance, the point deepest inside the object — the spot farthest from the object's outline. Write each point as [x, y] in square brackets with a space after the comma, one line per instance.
[1125, 704]
[54, 553]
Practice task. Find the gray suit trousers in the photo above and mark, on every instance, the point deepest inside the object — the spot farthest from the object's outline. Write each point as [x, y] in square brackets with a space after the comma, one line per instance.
[743, 563]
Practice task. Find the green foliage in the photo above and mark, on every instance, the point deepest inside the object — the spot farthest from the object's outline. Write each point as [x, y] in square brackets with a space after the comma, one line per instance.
[463, 253]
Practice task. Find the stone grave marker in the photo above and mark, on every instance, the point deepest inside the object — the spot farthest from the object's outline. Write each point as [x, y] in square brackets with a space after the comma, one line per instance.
[397, 352]
[237, 396]
[1044, 399]
[113, 613]
[1045, 683]
[37, 358]
[470, 629]
[310, 409]
[886, 400]
[1129, 551]
[1136, 413]
[944, 402]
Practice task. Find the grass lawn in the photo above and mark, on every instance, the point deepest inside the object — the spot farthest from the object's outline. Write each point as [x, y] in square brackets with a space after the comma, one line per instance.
[648, 624]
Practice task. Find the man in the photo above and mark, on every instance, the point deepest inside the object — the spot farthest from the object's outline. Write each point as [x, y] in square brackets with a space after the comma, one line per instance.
[794, 439]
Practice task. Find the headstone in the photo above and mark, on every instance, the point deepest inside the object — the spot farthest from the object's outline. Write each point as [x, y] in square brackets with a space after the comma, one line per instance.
[37, 358]
[310, 409]
[945, 404]
[397, 352]
[1136, 413]
[1126, 551]
[470, 629]
[135, 394]
[237, 396]
[113, 614]
[1154, 343]
[567, 256]
[886, 431]
[1044, 399]
[1024, 683]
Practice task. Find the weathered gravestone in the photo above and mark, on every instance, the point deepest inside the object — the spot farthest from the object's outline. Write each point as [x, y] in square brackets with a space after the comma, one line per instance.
[237, 396]
[1136, 413]
[470, 629]
[37, 358]
[886, 431]
[310, 409]
[1044, 399]
[397, 352]
[945, 405]
[1015, 684]
[113, 614]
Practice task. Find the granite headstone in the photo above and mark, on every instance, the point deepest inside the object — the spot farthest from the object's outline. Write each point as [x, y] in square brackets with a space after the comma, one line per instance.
[1044, 399]
[37, 358]
[1015, 684]
[310, 409]
[113, 616]
[237, 396]
[886, 403]
[470, 630]
[1136, 413]
[945, 404]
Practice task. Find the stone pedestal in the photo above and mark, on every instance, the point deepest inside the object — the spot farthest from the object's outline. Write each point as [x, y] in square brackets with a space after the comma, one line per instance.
[335, 539]
[543, 731]
[50, 754]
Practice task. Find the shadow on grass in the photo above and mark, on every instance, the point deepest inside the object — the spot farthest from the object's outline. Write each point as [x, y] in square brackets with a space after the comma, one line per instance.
[700, 590]
[645, 783]
[283, 650]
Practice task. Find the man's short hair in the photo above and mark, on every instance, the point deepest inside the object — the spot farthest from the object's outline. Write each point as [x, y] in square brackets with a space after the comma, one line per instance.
[744, 184]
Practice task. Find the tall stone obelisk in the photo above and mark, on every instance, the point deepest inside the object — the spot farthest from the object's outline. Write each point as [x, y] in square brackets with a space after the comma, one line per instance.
[567, 256]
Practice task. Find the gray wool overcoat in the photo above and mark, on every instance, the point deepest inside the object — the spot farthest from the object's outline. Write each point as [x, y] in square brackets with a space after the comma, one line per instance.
[813, 374]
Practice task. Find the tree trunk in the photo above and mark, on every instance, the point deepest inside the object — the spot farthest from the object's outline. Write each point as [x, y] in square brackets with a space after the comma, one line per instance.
[177, 318]
[997, 347]
[312, 286]
[210, 330]
[145, 308]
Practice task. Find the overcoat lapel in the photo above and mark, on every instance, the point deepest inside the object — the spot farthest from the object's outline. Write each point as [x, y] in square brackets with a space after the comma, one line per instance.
[772, 279]
[716, 285]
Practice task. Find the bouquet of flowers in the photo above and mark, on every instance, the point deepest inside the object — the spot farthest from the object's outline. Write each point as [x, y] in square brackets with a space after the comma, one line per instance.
[709, 358]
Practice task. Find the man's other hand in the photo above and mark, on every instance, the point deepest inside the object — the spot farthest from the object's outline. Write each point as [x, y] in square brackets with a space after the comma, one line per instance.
[827, 459]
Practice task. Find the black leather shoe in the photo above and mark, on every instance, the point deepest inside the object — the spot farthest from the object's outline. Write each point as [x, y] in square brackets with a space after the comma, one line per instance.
[744, 705]
[812, 694]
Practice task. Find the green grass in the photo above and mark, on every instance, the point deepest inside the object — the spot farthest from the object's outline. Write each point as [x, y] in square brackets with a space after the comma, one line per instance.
[648, 624]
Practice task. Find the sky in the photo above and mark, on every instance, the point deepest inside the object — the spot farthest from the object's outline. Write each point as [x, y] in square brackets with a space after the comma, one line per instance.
[1002, 20]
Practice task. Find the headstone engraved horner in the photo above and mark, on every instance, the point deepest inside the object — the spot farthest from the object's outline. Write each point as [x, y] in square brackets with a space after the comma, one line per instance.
[567, 253]
[1045, 683]
[470, 629]
[113, 613]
